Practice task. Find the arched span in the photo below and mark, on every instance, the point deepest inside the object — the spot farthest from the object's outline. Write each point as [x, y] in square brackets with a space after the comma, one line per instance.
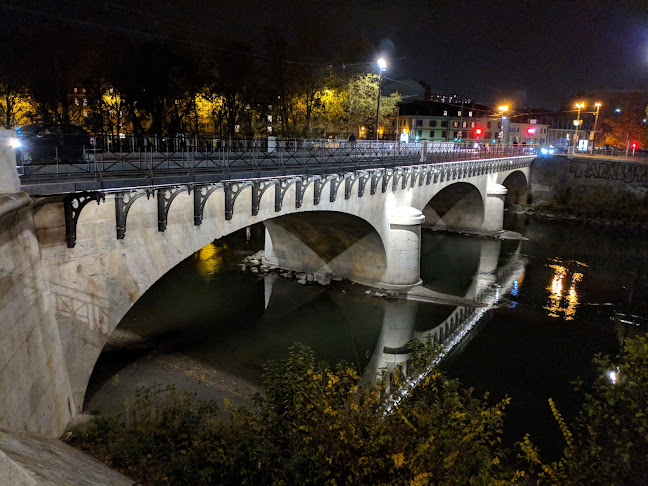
[110, 275]
[457, 207]
[324, 243]
[518, 188]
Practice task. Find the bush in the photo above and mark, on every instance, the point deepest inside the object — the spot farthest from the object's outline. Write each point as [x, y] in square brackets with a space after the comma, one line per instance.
[315, 424]
[608, 444]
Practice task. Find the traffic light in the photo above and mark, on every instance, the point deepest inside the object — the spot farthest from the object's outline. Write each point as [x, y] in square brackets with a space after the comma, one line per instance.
[531, 131]
[478, 131]
[634, 145]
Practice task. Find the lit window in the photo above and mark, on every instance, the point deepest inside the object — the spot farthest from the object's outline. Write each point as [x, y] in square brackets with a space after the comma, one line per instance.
[445, 112]
[470, 113]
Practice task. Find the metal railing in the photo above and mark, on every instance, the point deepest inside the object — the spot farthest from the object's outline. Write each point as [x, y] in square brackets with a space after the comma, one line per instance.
[617, 153]
[114, 157]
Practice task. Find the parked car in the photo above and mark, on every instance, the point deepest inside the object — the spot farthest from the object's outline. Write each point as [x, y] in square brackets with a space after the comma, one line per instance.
[51, 143]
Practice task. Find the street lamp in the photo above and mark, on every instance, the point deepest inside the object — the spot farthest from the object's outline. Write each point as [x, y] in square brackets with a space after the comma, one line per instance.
[598, 107]
[503, 109]
[382, 64]
[577, 123]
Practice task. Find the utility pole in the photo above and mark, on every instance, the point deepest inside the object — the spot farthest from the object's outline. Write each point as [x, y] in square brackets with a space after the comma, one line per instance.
[598, 107]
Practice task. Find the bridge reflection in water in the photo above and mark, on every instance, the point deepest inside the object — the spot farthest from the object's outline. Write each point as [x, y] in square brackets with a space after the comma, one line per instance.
[495, 277]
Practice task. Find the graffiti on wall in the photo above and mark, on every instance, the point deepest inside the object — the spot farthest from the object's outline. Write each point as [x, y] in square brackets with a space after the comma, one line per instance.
[619, 171]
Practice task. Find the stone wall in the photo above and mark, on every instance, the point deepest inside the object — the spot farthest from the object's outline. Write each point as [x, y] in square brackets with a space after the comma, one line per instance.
[554, 176]
[35, 390]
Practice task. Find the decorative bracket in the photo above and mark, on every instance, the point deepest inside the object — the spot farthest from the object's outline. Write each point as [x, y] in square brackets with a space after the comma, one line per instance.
[281, 186]
[258, 188]
[201, 193]
[72, 206]
[317, 190]
[363, 178]
[165, 197]
[301, 184]
[375, 177]
[336, 180]
[232, 191]
[123, 202]
[385, 180]
[397, 175]
[429, 173]
[349, 180]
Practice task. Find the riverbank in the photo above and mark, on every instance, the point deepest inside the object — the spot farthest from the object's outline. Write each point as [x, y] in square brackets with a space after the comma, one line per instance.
[131, 362]
[631, 215]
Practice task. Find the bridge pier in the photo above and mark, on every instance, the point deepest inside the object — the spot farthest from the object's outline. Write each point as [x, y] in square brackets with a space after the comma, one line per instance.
[403, 248]
[494, 207]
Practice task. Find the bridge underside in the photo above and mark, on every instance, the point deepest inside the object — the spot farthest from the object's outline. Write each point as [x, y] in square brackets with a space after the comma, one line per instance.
[326, 243]
[458, 207]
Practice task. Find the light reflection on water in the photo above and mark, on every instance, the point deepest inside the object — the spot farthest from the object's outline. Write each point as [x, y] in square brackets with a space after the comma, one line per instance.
[563, 298]
[209, 260]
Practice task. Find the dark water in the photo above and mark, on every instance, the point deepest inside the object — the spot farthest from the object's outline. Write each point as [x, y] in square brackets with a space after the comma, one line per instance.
[577, 284]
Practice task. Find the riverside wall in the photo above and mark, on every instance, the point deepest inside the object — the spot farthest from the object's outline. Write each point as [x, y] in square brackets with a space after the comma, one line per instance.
[554, 177]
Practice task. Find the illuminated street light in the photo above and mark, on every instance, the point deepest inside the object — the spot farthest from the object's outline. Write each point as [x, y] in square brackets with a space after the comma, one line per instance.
[382, 65]
[503, 109]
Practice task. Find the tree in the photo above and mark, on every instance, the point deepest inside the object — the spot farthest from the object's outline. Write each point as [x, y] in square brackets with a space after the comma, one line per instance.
[608, 444]
[362, 103]
[627, 123]
[15, 104]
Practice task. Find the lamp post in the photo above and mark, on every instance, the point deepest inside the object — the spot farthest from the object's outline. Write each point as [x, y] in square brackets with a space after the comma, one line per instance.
[598, 107]
[503, 109]
[382, 64]
[577, 122]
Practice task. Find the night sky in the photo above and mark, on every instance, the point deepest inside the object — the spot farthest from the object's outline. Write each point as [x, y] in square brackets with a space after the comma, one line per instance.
[534, 53]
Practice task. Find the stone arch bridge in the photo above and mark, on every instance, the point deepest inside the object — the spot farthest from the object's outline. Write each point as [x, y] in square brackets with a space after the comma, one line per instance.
[87, 257]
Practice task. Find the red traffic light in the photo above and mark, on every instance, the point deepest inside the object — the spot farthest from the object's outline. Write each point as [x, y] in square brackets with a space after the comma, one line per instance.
[531, 131]
[478, 131]
[634, 145]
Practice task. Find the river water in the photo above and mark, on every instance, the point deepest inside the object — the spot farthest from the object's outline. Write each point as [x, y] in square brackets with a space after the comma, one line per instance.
[554, 301]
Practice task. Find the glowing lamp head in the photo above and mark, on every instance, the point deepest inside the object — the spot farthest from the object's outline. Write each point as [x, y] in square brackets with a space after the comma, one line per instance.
[580, 105]
[598, 104]
[14, 143]
[503, 108]
[382, 63]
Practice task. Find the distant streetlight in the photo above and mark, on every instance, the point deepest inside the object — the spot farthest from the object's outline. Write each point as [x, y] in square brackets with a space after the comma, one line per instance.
[503, 109]
[598, 107]
[577, 123]
[382, 65]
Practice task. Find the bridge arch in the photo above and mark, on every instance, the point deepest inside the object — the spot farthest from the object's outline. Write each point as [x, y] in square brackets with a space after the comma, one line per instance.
[110, 275]
[457, 207]
[326, 243]
[517, 187]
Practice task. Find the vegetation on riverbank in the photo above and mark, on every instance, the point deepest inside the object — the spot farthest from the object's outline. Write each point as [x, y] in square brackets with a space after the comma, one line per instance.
[317, 424]
[599, 206]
